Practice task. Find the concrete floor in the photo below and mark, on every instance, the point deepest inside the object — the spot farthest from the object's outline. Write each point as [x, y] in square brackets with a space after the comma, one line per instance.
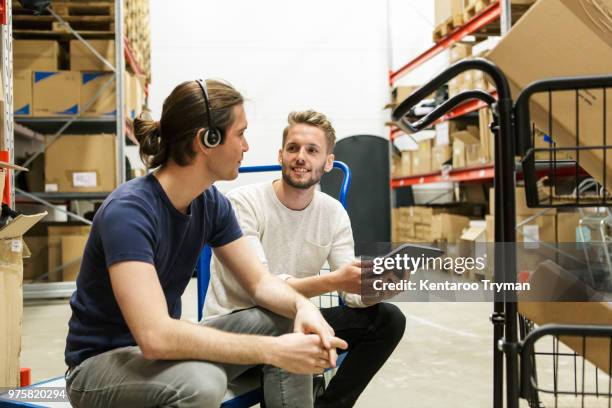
[444, 359]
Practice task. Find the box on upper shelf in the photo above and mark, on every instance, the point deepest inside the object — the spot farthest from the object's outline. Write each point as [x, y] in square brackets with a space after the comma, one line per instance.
[466, 149]
[56, 93]
[38, 55]
[82, 59]
[91, 84]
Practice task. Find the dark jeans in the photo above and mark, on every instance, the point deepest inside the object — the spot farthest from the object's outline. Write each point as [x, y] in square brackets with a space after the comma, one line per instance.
[372, 334]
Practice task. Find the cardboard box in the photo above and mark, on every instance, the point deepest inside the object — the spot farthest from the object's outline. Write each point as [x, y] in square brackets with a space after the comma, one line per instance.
[567, 223]
[572, 28]
[12, 251]
[560, 285]
[56, 93]
[521, 204]
[543, 141]
[421, 158]
[66, 245]
[474, 244]
[36, 240]
[423, 232]
[399, 93]
[473, 155]
[439, 156]
[459, 51]
[82, 59]
[396, 160]
[405, 165]
[22, 92]
[81, 163]
[39, 55]
[448, 227]
[490, 228]
[91, 84]
[73, 247]
[461, 140]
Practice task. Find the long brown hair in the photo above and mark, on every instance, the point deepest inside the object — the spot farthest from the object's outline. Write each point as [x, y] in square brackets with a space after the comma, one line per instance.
[183, 114]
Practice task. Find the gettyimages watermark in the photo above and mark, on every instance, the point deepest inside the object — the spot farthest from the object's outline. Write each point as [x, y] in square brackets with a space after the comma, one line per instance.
[482, 272]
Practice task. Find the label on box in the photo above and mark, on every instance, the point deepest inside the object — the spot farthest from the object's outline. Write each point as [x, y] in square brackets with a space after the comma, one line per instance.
[442, 134]
[16, 245]
[51, 188]
[84, 179]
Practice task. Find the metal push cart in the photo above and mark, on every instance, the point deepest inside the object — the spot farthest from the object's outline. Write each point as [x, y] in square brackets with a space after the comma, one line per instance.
[513, 132]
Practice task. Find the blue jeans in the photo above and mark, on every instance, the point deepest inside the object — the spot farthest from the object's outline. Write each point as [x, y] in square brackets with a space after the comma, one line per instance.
[124, 378]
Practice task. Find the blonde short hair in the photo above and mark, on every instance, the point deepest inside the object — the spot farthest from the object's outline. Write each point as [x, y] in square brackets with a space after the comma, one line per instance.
[312, 118]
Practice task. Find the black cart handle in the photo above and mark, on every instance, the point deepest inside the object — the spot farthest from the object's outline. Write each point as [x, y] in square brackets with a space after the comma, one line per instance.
[480, 64]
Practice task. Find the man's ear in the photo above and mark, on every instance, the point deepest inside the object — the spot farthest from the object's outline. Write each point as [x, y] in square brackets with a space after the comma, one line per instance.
[329, 163]
[280, 156]
[197, 142]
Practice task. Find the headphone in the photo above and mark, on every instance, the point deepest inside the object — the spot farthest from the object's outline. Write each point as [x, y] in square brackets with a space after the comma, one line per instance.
[212, 137]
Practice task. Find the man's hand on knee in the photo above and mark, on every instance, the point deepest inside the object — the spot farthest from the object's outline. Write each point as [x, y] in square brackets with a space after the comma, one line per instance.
[308, 320]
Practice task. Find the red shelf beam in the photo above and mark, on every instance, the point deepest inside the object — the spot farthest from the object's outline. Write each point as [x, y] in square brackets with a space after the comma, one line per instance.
[480, 173]
[488, 15]
[485, 172]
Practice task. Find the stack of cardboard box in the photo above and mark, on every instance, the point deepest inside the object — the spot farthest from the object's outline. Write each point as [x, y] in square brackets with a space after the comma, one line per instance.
[42, 89]
[427, 224]
[12, 252]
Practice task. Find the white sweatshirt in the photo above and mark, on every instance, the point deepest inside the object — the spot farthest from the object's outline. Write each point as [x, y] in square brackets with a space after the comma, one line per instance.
[288, 242]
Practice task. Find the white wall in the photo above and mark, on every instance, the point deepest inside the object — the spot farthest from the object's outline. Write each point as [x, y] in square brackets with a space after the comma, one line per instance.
[332, 56]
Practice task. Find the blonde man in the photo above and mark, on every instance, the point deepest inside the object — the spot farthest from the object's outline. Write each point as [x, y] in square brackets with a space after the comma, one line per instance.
[295, 229]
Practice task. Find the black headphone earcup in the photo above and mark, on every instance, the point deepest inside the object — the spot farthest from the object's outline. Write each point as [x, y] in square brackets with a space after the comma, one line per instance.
[212, 138]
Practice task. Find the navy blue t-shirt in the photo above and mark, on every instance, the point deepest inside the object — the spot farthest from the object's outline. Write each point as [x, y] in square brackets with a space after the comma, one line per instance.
[137, 222]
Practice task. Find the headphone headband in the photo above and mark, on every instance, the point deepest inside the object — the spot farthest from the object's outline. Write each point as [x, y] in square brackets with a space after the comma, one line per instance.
[212, 136]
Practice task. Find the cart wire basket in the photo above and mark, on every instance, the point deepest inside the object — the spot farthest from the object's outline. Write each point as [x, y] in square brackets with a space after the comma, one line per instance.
[559, 130]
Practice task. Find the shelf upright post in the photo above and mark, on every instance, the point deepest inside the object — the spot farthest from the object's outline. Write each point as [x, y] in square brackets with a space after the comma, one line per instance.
[392, 194]
[7, 82]
[506, 17]
[119, 90]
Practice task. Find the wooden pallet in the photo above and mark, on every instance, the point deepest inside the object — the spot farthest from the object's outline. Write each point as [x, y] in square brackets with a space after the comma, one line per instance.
[443, 29]
[23, 34]
[66, 9]
[49, 23]
[447, 26]
[137, 32]
[475, 7]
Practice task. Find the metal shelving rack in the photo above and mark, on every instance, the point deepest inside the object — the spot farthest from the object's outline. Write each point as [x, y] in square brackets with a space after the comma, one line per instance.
[34, 127]
[498, 10]
[7, 82]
